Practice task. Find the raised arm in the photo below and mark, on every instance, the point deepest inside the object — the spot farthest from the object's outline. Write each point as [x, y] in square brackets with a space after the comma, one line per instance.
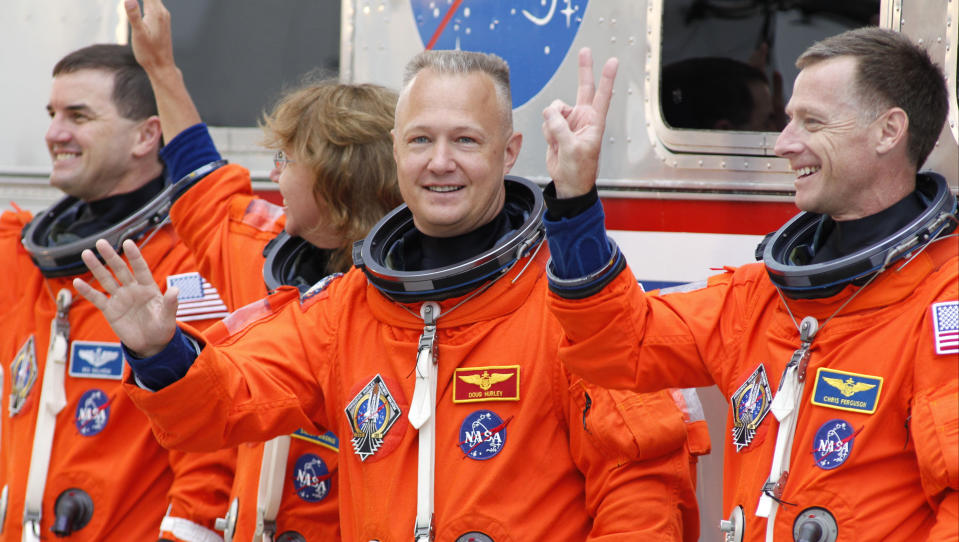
[153, 47]
[143, 318]
[574, 134]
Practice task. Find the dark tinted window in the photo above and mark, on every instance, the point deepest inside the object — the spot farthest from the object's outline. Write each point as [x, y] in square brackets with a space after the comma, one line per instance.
[238, 55]
[725, 61]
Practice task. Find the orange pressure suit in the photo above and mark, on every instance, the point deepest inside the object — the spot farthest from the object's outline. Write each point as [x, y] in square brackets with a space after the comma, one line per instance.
[227, 229]
[876, 436]
[523, 451]
[102, 443]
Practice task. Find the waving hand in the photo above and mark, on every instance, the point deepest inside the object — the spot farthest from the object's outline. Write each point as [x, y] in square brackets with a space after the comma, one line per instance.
[142, 318]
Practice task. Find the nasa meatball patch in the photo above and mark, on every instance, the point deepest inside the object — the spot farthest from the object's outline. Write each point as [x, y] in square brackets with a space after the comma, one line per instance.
[483, 435]
[833, 444]
[93, 412]
[311, 478]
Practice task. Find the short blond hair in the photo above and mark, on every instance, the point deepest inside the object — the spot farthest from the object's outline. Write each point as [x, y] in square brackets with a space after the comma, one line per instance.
[342, 131]
[450, 62]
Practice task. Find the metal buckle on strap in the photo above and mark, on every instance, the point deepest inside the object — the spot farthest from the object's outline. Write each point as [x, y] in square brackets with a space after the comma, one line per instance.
[269, 530]
[774, 490]
[424, 532]
[31, 525]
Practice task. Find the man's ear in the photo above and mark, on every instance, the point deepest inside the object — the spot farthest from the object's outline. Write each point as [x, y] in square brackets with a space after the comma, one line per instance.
[892, 127]
[513, 146]
[148, 137]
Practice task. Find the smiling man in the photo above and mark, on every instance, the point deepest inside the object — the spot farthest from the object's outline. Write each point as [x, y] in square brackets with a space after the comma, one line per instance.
[838, 352]
[434, 361]
[77, 459]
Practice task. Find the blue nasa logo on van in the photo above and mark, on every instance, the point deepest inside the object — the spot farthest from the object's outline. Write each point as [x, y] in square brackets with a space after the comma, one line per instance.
[533, 36]
[311, 478]
[483, 435]
[93, 412]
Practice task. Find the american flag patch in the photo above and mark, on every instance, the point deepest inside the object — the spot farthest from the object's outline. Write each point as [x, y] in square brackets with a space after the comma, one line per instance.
[198, 299]
[945, 318]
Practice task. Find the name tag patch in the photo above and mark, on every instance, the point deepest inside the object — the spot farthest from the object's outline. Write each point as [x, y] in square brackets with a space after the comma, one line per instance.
[476, 384]
[327, 440]
[846, 391]
[90, 359]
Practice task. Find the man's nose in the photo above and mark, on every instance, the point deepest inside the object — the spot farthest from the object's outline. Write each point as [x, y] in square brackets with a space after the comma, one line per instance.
[441, 159]
[787, 143]
[57, 132]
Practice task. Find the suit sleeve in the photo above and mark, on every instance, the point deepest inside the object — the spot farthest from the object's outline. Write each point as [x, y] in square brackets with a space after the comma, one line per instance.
[934, 421]
[240, 388]
[199, 495]
[15, 256]
[639, 469]
[226, 229]
[624, 338]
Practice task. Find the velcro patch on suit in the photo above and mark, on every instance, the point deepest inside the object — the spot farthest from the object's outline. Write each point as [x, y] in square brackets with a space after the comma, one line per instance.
[313, 294]
[945, 319]
[477, 384]
[23, 372]
[311, 478]
[327, 440]
[91, 359]
[197, 298]
[832, 444]
[93, 412]
[483, 435]
[372, 413]
[751, 403]
[846, 391]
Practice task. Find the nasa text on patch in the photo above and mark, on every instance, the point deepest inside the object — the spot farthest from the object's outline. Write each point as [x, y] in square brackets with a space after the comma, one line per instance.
[311, 478]
[91, 359]
[93, 412]
[483, 435]
[846, 391]
[832, 444]
[475, 384]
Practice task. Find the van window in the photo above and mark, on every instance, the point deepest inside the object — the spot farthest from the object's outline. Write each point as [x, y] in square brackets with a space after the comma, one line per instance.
[728, 65]
[249, 51]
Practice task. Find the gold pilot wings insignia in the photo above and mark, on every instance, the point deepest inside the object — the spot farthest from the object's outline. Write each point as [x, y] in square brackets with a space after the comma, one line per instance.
[477, 384]
[846, 391]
